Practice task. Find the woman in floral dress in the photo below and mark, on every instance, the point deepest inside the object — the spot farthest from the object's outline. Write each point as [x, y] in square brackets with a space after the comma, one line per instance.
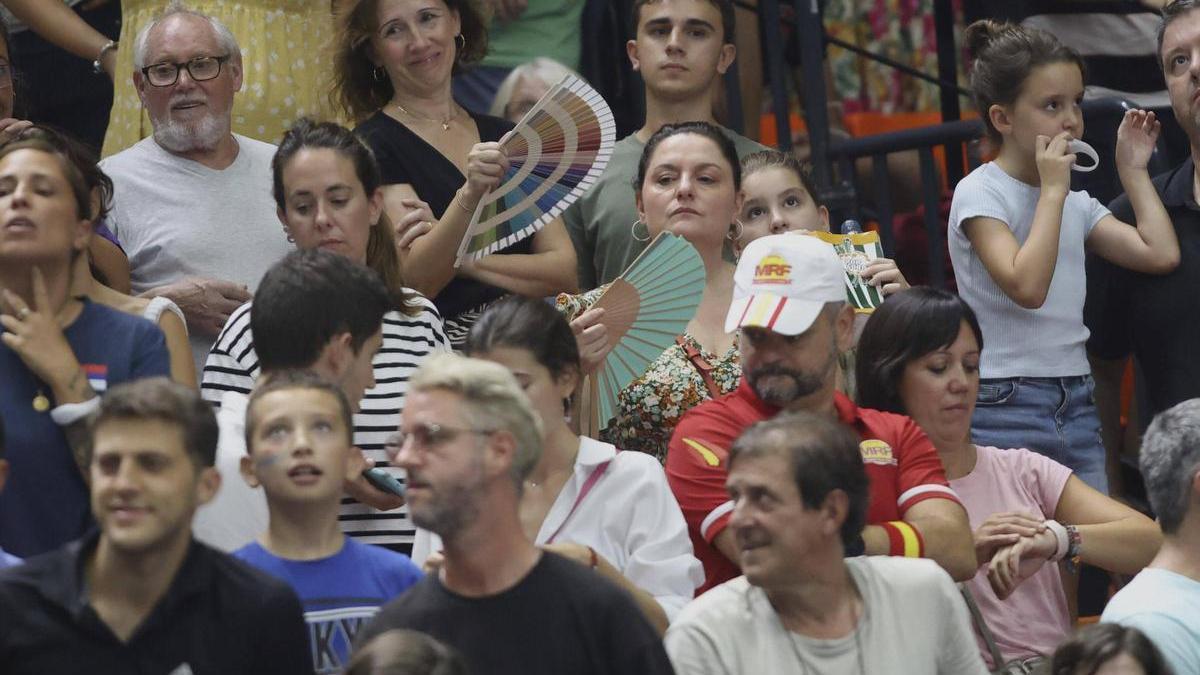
[689, 184]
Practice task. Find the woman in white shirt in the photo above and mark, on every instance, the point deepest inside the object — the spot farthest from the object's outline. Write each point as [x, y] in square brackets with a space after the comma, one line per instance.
[585, 500]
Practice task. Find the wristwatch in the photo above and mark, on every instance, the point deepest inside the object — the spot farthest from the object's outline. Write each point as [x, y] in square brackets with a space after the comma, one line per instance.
[96, 65]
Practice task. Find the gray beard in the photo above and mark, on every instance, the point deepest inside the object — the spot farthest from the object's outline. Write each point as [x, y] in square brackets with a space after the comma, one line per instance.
[204, 134]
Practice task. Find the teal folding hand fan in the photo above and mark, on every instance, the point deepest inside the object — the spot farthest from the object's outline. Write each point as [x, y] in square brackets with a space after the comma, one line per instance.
[644, 310]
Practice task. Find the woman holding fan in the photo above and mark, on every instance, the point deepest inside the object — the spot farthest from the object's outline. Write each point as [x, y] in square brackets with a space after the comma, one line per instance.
[394, 61]
[688, 183]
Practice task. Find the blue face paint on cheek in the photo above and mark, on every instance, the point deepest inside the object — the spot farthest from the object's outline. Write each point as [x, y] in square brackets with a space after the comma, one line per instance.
[266, 462]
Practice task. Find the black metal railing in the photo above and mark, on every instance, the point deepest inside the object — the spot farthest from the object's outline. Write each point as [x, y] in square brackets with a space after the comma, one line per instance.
[843, 198]
[839, 188]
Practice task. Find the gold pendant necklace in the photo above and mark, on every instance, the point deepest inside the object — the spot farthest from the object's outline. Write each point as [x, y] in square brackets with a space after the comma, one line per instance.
[41, 403]
[445, 123]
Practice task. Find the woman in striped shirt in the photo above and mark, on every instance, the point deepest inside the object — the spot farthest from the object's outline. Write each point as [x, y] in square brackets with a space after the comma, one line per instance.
[327, 187]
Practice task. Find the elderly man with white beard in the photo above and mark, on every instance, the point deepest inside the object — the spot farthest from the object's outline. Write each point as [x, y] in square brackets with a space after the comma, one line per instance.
[192, 203]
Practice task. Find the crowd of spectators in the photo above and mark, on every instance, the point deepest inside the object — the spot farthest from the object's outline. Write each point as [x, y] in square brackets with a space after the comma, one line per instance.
[256, 418]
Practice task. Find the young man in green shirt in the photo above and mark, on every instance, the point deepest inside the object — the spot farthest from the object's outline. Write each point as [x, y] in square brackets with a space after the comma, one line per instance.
[681, 48]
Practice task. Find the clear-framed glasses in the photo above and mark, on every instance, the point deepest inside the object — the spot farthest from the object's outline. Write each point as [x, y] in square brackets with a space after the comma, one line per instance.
[427, 435]
[200, 69]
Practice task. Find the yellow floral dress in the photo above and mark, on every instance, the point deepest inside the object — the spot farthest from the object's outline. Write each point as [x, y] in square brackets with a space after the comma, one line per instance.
[285, 70]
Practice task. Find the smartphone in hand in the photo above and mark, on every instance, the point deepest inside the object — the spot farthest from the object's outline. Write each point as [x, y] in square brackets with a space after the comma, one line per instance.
[384, 481]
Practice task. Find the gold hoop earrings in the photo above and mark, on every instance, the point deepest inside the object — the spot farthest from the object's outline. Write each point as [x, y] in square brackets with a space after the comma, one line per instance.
[461, 41]
[633, 231]
[735, 230]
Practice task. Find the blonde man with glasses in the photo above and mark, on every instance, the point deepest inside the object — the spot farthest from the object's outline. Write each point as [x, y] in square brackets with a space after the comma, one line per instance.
[470, 437]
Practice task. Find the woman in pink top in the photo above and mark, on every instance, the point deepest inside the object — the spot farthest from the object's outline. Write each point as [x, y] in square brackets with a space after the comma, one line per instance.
[919, 356]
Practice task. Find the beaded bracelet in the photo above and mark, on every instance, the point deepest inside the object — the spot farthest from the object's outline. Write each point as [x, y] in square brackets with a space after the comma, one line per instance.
[1076, 543]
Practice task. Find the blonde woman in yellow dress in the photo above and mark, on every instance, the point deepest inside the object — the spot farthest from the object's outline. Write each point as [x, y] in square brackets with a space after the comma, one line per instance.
[283, 43]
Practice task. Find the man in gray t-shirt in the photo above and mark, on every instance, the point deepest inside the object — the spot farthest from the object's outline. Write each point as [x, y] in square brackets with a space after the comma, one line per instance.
[192, 205]
[799, 492]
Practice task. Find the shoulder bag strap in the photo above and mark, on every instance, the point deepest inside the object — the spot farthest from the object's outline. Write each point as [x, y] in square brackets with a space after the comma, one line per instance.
[702, 366]
[981, 626]
[583, 492]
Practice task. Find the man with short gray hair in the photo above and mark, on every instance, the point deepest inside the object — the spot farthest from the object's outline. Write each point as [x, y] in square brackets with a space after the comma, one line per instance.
[800, 496]
[469, 438]
[192, 204]
[1163, 601]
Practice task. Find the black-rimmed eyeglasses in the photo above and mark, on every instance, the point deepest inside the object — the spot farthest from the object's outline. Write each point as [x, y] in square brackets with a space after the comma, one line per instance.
[200, 69]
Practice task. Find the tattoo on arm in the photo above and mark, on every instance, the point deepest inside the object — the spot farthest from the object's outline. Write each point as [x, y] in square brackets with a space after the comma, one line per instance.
[75, 380]
[77, 438]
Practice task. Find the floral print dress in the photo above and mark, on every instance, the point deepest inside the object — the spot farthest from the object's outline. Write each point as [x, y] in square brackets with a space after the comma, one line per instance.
[899, 29]
[649, 409]
[652, 405]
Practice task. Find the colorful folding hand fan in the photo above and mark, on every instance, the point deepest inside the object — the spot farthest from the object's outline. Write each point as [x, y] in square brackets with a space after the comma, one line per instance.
[556, 153]
[644, 309]
[857, 251]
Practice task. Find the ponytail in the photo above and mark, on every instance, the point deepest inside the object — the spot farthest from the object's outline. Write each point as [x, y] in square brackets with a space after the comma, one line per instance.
[1001, 56]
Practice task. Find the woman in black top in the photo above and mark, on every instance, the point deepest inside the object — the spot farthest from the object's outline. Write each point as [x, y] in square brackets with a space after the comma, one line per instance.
[393, 67]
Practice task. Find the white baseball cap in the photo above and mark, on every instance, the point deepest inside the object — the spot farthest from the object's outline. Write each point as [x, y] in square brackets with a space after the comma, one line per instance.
[783, 281]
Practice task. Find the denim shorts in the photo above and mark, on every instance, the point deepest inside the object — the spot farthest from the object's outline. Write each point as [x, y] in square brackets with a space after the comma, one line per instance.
[1054, 416]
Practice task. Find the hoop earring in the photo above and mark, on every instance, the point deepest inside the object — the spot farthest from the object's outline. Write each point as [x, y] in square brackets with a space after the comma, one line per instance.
[461, 41]
[633, 231]
[378, 73]
[736, 229]
[288, 234]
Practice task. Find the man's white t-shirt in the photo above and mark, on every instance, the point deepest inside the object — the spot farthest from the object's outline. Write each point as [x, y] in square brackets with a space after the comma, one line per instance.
[915, 623]
[176, 218]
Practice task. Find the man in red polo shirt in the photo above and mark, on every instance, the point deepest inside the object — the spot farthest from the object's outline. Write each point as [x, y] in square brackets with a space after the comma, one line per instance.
[789, 306]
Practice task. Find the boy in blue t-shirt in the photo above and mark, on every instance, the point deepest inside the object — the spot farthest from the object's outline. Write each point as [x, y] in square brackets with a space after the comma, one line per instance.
[299, 449]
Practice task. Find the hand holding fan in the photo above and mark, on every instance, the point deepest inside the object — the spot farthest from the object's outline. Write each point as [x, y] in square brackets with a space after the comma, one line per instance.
[644, 309]
[555, 153]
